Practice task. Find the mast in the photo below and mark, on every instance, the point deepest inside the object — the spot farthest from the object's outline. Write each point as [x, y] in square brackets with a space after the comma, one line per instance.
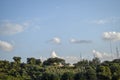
[117, 53]
[80, 56]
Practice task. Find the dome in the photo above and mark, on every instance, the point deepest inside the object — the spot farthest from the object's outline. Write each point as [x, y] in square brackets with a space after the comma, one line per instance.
[53, 55]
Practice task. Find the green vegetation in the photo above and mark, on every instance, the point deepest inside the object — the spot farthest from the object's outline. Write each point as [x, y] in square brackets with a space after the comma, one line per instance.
[57, 69]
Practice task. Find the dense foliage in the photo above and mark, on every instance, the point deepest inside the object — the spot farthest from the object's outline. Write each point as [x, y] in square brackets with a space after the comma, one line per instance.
[57, 69]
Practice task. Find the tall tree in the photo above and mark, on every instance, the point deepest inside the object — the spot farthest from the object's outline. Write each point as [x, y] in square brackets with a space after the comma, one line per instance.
[80, 76]
[38, 62]
[17, 59]
[31, 61]
[95, 61]
[82, 63]
[67, 76]
[90, 73]
[103, 73]
[52, 61]
[49, 76]
[115, 69]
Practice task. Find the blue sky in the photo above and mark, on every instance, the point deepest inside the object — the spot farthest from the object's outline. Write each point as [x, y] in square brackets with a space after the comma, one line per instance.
[34, 28]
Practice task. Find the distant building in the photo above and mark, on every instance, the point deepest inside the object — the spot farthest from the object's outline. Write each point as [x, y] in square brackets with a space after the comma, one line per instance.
[53, 54]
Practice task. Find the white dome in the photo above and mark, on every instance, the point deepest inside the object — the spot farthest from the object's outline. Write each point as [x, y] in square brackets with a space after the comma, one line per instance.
[53, 55]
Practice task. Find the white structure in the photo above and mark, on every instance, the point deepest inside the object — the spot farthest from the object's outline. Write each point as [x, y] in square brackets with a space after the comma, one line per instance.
[53, 54]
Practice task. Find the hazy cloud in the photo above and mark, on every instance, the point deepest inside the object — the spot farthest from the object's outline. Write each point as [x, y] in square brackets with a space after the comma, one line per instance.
[80, 41]
[100, 21]
[112, 20]
[97, 54]
[102, 55]
[114, 36]
[9, 28]
[5, 46]
[55, 40]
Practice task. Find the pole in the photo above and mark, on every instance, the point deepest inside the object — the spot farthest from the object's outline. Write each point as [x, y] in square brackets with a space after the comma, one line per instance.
[117, 53]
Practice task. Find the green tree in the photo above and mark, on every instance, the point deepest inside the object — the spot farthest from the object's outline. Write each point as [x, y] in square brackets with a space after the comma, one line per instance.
[4, 66]
[80, 76]
[95, 61]
[116, 61]
[31, 61]
[50, 76]
[115, 69]
[55, 76]
[17, 59]
[38, 62]
[52, 61]
[103, 73]
[67, 76]
[90, 73]
[82, 63]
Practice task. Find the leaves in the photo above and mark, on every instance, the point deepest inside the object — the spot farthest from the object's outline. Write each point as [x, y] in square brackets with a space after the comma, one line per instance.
[34, 69]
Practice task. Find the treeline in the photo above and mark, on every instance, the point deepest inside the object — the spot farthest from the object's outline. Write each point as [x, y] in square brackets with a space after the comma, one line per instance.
[58, 69]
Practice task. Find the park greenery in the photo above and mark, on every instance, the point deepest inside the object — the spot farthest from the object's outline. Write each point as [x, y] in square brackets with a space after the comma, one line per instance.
[58, 69]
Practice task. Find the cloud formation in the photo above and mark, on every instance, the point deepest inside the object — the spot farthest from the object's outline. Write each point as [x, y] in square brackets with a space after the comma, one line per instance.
[9, 28]
[5, 46]
[104, 56]
[55, 40]
[101, 21]
[112, 20]
[79, 41]
[114, 36]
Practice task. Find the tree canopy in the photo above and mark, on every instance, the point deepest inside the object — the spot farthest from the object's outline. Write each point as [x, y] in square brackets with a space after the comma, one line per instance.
[35, 69]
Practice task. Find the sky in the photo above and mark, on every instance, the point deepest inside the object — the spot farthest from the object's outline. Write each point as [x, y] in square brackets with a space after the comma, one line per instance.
[74, 29]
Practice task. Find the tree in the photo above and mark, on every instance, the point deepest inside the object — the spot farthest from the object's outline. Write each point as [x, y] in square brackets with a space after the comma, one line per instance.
[67, 76]
[80, 76]
[14, 73]
[82, 63]
[95, 61]
[52, 61]
[115, 69]
[106, 63]
[4, 66]
[31, 60]
[55, 77]
[17, 59]
[50, 76]
[38, 61]
[116, 61]
[103, 73]
[90, 73]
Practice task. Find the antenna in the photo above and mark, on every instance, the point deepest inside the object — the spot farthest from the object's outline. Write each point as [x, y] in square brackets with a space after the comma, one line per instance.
[111, 50]
[80, 56]
[94, 56]
[117, 52]
[111, 46]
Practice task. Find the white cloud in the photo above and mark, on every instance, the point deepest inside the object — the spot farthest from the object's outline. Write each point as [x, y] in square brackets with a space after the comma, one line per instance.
[100, 21]
[55, 40]
[110, 20]
[5, 46]
[103, 56]
[9, 28]
[114, 36]
[79, 41]
[97, 54]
